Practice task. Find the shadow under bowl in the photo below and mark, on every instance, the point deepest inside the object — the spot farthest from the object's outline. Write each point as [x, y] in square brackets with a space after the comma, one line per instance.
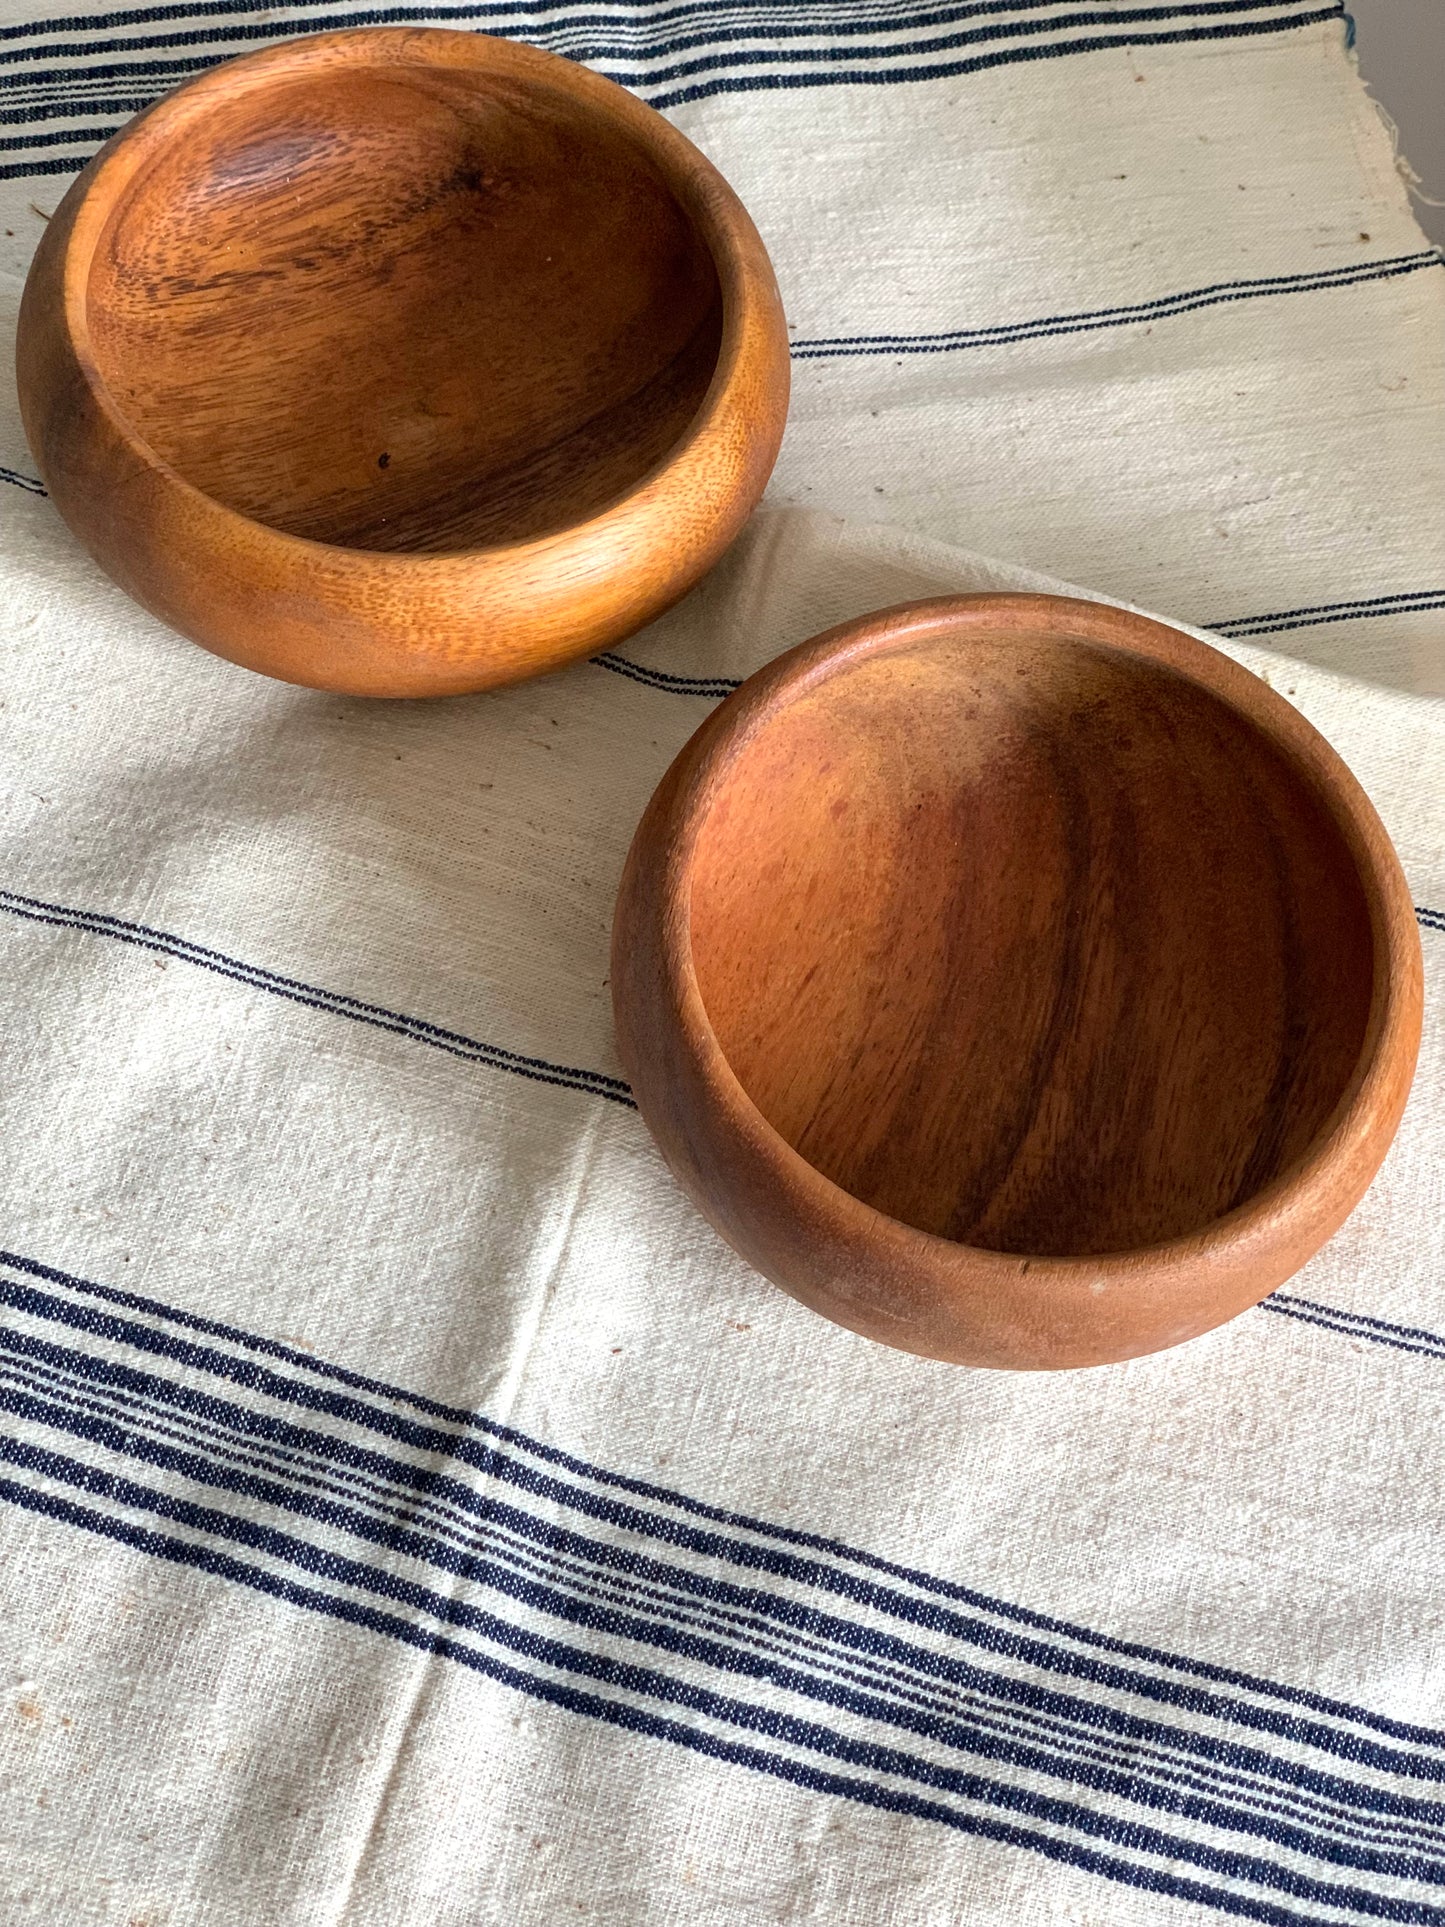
[403, 361]
[1017, 981]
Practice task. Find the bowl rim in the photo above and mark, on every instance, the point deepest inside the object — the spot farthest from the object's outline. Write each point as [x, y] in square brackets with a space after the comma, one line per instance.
[722, 222]
[1319, 1188]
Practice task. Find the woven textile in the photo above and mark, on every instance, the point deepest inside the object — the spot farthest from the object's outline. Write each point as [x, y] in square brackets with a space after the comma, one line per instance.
[410, 1513]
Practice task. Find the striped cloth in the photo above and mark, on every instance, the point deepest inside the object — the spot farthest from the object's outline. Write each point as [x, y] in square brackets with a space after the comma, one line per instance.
[411, 1515]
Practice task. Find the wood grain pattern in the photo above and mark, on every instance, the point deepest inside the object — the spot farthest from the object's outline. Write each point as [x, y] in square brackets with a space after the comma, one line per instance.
[1017, 980]
[403, 362]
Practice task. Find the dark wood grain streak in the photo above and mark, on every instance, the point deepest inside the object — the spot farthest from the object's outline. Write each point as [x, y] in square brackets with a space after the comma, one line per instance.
[1017, 980]
[403, 361]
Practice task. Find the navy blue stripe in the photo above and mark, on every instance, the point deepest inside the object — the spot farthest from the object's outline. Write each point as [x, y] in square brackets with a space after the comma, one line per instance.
[825, 12]
[27, 482]
[633, 1719]
[726, 23]
[946, 70]
[137, 17]
[538, 1069]
[826, 16]
[630, 1677]
[1347, 1325]
[1363, 1318]
[650, 1491]
[69, 88]
[18, 142]
[47, 1373]
[168, 72]
[87, 90]
[67, 136]
[1430, 919]
[78, 98]
[34, 170]
[712, 686]
[763, 1612]
[603, 1580]
[635, 40]
[1087, 320]
[700, 89]
[714, 1546]
[287, 1354]
[1406, 603]
[1238, 629]
[599, 1582]
[626, 1624]
[1399, 604]
[759, 1612]
[1315, 622]
[631, 41]
[645, 1524]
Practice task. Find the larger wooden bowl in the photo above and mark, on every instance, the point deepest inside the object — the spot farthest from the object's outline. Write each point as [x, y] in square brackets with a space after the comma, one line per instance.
[403, 362]
[1017, 981]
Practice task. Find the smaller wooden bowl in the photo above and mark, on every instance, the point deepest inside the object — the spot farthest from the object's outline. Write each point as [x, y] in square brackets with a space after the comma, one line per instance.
[1017, 981]
[403, 362]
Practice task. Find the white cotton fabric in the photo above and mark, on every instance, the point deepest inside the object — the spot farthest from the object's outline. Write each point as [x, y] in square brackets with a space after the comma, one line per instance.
[180, 841]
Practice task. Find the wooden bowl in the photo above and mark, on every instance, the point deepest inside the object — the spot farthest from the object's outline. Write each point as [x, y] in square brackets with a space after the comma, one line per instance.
[403, 362]
[1017, 981]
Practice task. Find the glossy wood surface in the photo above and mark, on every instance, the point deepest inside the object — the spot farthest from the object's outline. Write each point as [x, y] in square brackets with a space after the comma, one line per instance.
[403, 361]
[1017, 981]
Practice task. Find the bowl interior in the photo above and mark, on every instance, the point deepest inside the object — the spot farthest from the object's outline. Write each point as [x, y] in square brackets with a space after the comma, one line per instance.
[1031, 943]
[405, 307]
